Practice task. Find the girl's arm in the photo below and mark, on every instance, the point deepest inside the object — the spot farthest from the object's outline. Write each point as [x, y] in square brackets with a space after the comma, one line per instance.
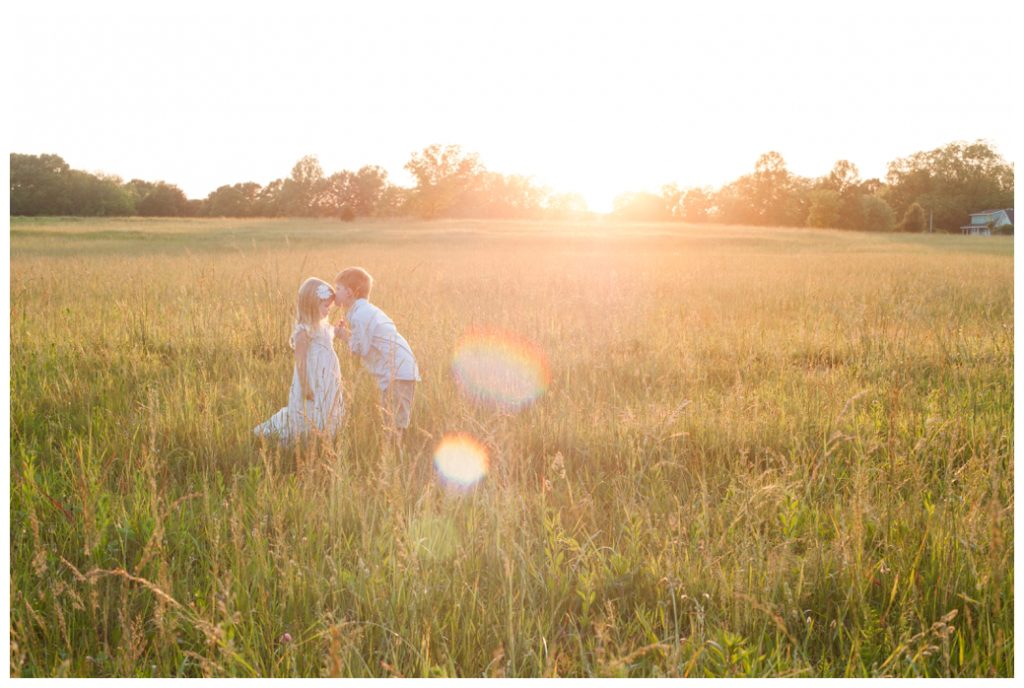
[301, 349]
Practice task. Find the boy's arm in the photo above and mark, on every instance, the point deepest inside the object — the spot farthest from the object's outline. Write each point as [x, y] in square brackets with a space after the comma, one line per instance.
[341, 330]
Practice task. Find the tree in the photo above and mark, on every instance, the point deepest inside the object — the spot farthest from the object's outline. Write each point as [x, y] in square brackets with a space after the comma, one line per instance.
[769, 186]
[697, 205]
[876, 215]
[91, 195]
[337, 196]
[843, 179]
[692, 205]
[349, 195]
[138, 189]
[195, 207]
[672, 198]
[913, 220]
[825, 208]
[733, 204]
[394, 201]
[39, 185]
[238, 200]
[301, 193]
[769, 196]
[268, 201]
[951, 182]
[368, 185]
[780, 197]
[46, 185]
[444, 177]
[163, 200]
[497, 195]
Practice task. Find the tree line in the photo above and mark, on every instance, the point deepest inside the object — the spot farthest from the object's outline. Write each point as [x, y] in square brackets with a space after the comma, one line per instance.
[937, 188]
[942, 186]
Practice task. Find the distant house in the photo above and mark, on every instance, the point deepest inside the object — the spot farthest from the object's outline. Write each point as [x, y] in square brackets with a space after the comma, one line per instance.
[984, 221]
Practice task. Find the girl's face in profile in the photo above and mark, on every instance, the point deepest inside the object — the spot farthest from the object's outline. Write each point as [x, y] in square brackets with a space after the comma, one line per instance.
[325, 307]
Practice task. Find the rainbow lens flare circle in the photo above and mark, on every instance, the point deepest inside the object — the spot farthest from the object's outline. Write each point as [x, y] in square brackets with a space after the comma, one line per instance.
[502, 370]
[461, 460]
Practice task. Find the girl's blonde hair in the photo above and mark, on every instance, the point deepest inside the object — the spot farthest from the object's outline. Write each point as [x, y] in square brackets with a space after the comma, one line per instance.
[307, 304]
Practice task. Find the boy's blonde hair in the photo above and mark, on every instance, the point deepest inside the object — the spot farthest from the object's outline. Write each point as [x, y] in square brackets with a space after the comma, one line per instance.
[357, 280]
[307, 305]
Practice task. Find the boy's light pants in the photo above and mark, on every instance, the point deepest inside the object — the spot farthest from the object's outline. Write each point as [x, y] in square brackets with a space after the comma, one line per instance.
[396, 403]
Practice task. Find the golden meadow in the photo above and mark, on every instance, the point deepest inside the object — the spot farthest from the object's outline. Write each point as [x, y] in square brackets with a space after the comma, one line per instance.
[763, 452]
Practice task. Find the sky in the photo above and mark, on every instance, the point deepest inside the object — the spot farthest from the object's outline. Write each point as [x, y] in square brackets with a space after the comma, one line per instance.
[586, 97]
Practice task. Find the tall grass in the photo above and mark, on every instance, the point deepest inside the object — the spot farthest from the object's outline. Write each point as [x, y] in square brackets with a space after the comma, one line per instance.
[763, 452]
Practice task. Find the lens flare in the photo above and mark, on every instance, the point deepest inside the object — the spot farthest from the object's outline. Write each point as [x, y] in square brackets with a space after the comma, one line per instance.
[501, 370]
[461, 460]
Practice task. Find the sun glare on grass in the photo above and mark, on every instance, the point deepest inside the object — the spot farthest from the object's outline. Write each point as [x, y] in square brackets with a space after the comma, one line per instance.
[461, 460]
[500, 370]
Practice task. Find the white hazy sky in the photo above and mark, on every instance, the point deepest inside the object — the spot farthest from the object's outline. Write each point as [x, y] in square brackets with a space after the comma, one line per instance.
[591, 97]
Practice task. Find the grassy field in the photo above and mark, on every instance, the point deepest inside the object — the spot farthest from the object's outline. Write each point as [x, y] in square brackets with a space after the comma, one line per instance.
[763, 452]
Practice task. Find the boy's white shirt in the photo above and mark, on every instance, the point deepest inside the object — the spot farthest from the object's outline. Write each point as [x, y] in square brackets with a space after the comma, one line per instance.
[375, 339]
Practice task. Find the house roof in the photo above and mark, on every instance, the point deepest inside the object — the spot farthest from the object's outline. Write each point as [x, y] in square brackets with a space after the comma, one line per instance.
[1008, 211]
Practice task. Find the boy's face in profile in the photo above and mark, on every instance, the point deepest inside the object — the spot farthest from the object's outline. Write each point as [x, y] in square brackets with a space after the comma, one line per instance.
[342, 296]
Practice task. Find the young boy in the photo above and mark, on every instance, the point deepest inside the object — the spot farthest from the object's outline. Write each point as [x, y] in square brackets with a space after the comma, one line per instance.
[374, 338]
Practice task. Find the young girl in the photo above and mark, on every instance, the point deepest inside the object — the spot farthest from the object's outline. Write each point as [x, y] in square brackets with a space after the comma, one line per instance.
[314, 400]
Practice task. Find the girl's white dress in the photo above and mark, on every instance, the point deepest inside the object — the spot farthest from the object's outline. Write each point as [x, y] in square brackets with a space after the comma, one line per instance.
[322, 415]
